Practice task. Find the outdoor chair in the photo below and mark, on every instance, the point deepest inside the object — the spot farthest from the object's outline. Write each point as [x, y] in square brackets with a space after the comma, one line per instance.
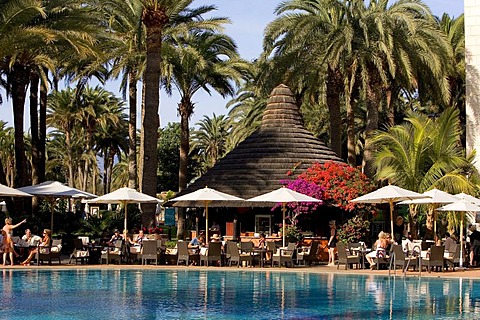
[399, 259]
[246, 247]
[50, 253]
[183, 254]
[353, 246]
[271, 249]
[149, 251]
[236, 256]
[283, 257]
[308, 256]
[113, 255]
[80, 252]
[453, 259]
[344, 257]
[213, 253]
[435, 259]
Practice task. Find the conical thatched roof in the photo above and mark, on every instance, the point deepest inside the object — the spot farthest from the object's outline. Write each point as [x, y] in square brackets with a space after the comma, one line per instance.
[260, 162]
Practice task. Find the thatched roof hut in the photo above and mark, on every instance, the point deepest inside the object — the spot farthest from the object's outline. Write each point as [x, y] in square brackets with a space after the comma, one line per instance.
[260, 162]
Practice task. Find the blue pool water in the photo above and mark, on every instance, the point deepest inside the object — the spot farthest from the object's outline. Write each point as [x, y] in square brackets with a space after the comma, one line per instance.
[194, 294]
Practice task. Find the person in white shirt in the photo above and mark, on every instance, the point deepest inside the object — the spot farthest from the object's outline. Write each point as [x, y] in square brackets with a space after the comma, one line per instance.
[30, 239]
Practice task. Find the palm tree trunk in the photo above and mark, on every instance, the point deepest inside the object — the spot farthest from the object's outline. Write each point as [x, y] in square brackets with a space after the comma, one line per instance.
[184, 145]
[333, 104]
[132, 131]
[412, 220]
[42, 131]
[105, 169]
[185, 109]
[350, 96]
[34, 131]
[19, 80]
[71, 174]
[110, 169]
[390, 109]
[371, 126]
[154, 19]
[3, 180]
[351, 153]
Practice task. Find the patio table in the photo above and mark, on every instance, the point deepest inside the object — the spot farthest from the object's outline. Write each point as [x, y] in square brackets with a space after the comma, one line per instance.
[263, 254]
[362, 253]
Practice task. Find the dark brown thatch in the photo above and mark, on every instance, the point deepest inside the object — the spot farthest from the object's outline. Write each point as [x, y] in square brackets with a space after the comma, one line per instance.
[260, 162]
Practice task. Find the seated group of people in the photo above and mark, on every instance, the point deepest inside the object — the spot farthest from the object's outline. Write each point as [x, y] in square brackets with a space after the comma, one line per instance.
[135, 242]
[382, 244]
[29, 241]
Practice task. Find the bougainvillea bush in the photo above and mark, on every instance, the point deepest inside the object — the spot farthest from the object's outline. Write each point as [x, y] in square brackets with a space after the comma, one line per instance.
[297, 208]
[341, 183]
[354, 230]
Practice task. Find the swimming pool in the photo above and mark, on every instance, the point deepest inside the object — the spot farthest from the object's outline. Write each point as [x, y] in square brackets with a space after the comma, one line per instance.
[196, 294]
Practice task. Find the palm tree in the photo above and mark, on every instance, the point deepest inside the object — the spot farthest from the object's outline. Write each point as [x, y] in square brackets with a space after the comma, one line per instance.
[7, 160]
[454, 29]
[199, 60]
[210, 139]
[16, 37]
[94, 115]
[202, 61]
[111, 141]
[246, 110]
[26, 27]
[297, 41]
[62, 115]
[129, 63]
[156, 16]
[361, 48]
[424, 153]
[96, 108]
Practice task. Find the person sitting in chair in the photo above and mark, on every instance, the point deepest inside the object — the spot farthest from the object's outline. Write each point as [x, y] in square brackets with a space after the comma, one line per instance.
[138, 239]
[43, 246]
[30, 239]
[197, 241]
[380, 246]
[116, 236]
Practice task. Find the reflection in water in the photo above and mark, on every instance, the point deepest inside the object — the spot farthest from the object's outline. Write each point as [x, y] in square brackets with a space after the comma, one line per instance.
[218, 294]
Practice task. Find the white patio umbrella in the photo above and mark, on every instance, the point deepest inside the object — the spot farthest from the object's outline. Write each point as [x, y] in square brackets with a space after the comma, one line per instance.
[462, 206]
[434, 197]
[206, 195]
[125, 196]
[53, 190]
[388, 194]
[468, 197]
[283, 195]
[11, 192]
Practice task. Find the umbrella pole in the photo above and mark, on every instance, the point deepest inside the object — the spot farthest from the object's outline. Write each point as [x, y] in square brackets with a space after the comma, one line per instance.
[284, 208]
[52, 206]
[125, 231]
[461, 241]
[391, 217]
[206, 222]
[435, 225]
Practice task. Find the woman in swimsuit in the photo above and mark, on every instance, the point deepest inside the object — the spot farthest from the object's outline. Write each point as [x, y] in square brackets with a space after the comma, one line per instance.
[8, 228]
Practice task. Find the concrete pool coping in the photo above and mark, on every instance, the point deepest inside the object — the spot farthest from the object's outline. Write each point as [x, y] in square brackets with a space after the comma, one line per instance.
[473, 273]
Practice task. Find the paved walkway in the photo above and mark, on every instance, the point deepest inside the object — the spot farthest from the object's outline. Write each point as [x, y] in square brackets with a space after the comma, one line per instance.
[322, 268]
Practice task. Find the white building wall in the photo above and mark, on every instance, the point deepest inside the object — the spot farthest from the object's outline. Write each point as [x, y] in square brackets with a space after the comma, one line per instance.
[472, 60]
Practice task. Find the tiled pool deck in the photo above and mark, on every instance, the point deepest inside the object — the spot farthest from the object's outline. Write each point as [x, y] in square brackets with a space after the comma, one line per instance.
[473, 273]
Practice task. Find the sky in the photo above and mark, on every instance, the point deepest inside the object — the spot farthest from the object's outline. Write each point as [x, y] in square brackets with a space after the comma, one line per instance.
[248, 20]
